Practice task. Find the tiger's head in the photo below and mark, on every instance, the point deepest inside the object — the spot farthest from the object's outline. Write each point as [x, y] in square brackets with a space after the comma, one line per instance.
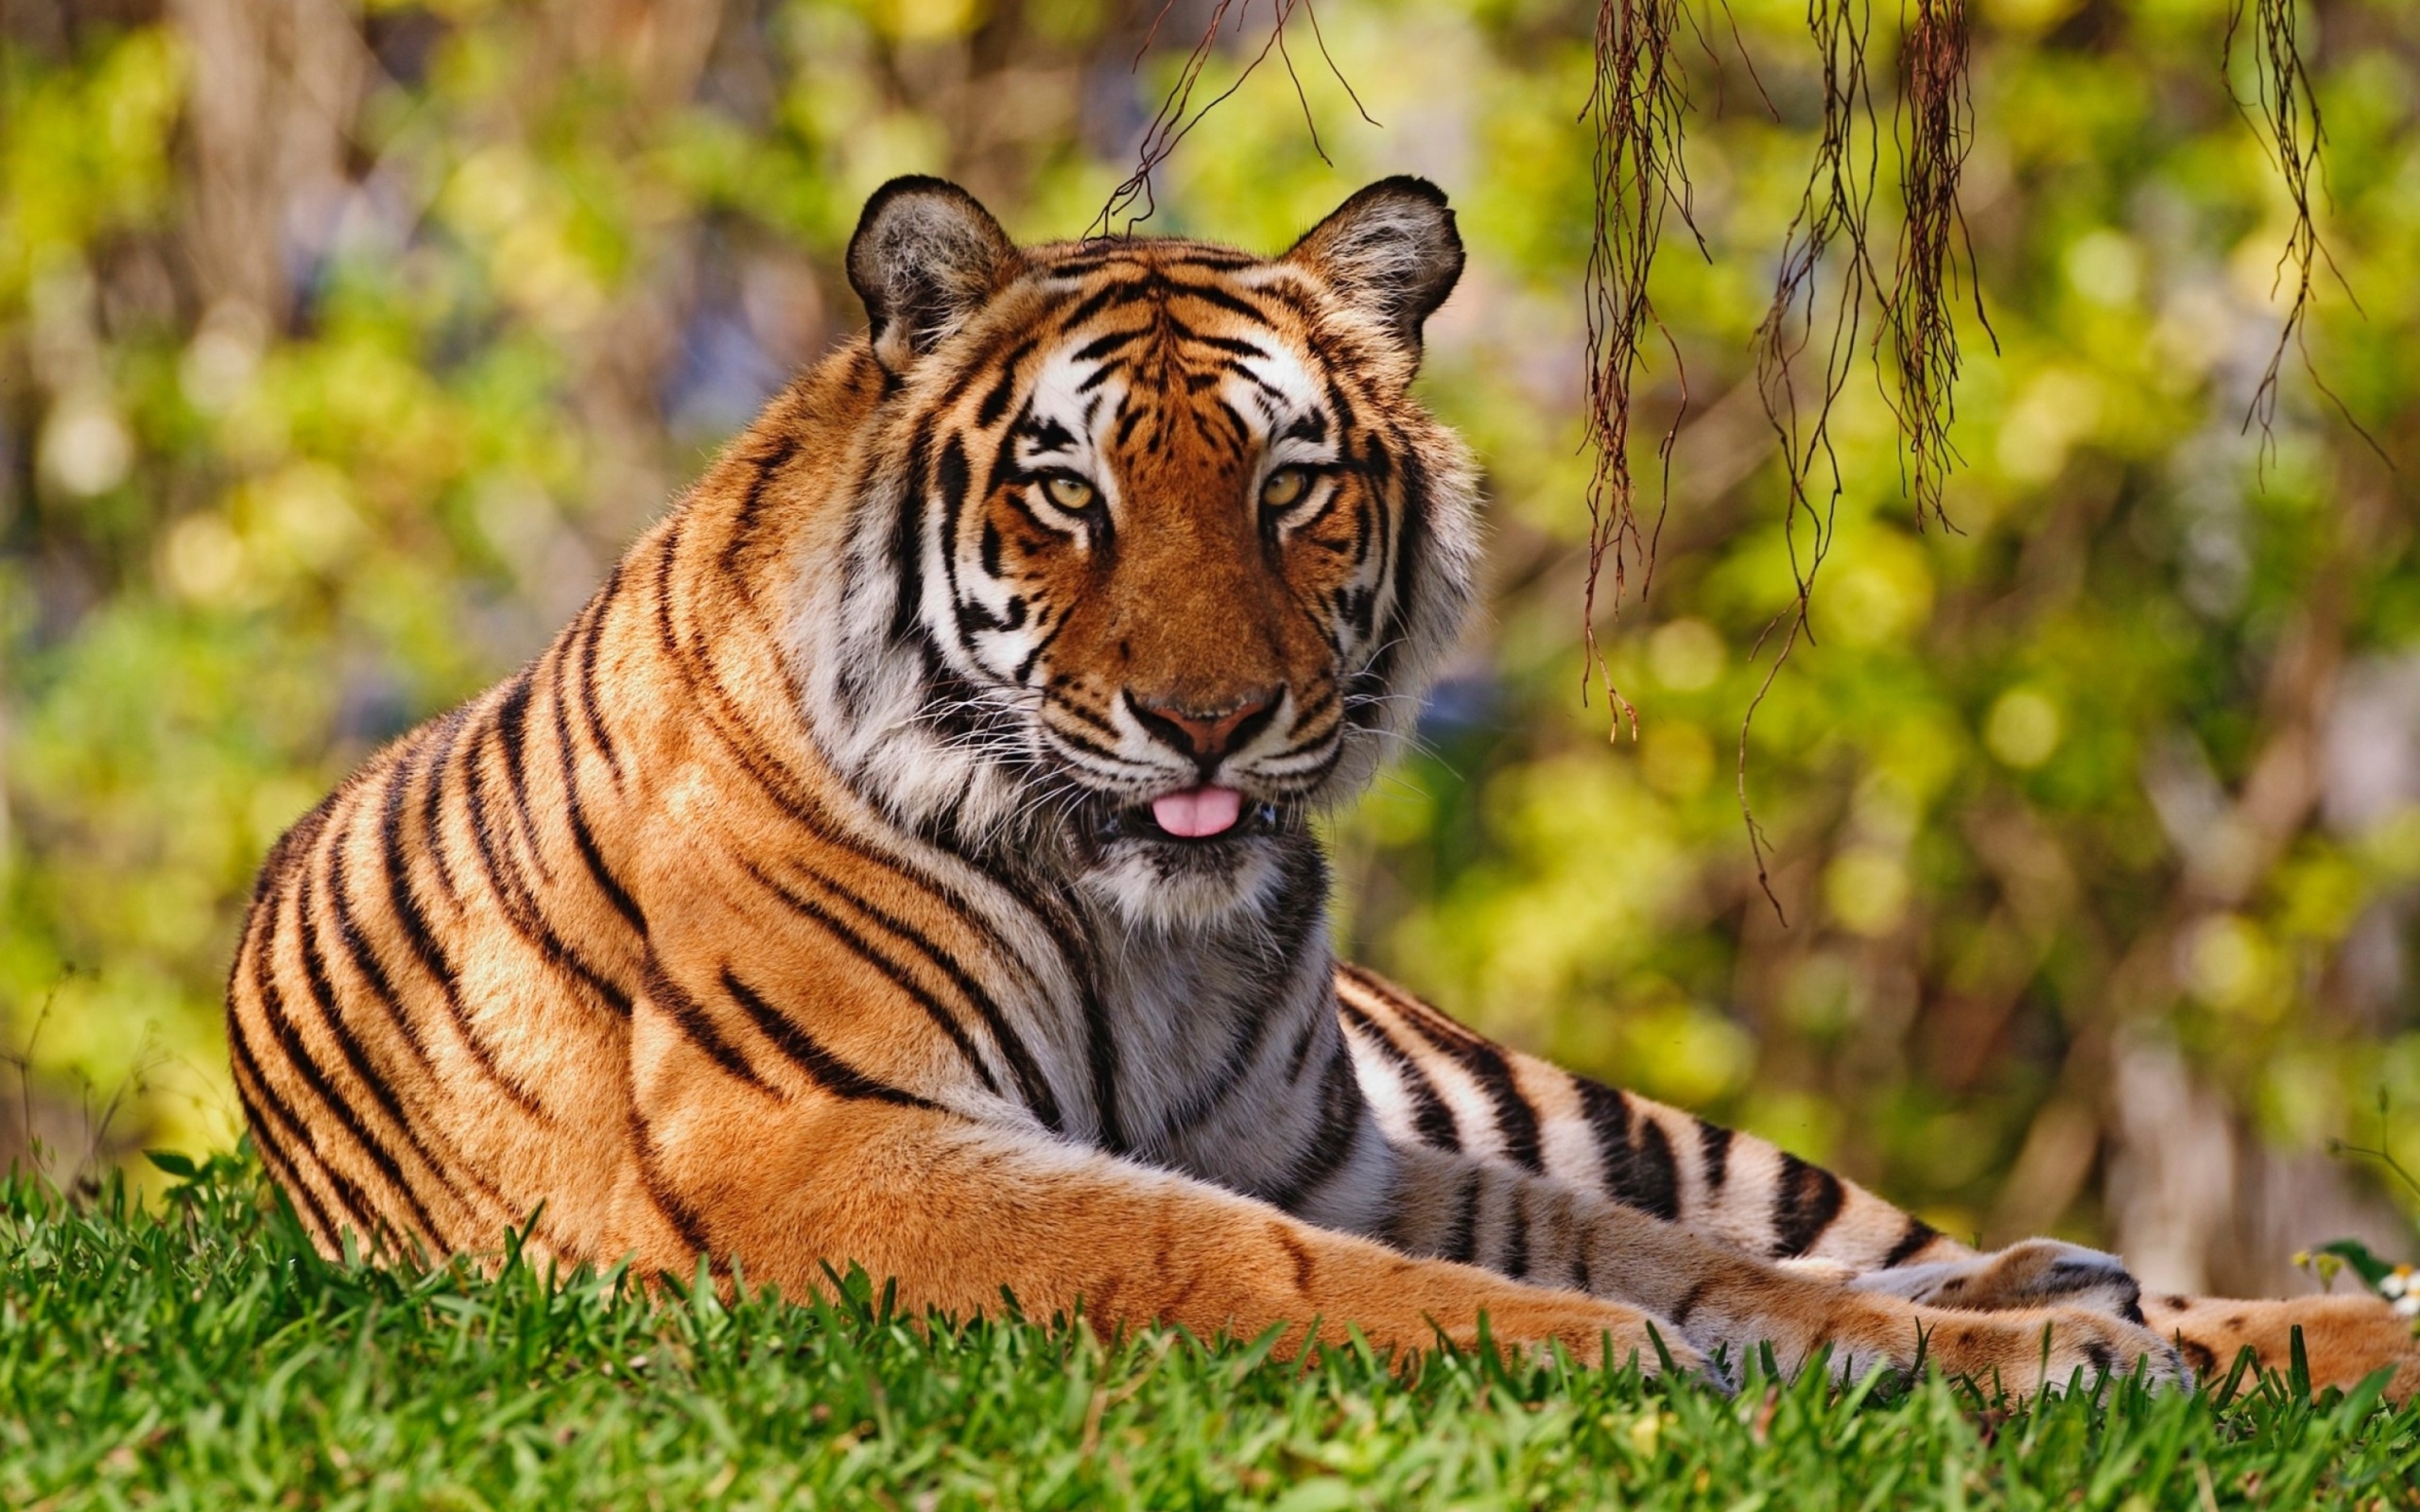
[1152, 551]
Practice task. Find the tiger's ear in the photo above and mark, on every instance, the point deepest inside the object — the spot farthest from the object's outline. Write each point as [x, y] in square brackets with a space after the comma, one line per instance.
[1391, 250]
[925, 256]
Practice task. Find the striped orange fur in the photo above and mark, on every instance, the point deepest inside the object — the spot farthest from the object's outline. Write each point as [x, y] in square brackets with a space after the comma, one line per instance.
[902, 860]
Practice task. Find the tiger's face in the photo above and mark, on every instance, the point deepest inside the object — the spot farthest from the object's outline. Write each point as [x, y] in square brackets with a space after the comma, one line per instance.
[1174, 546]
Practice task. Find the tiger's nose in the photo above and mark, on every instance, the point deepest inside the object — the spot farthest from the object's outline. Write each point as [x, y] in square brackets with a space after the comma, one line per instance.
[1204, 735]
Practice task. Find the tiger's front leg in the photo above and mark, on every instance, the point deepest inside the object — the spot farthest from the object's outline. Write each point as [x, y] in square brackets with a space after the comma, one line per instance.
[1731, 1304]
[757, 1145]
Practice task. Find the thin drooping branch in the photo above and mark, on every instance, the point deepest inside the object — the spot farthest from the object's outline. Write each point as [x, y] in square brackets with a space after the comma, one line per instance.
[2284, 114]
[1133, 201]
[1634, 106]
[1934, 123]
[1828, 231]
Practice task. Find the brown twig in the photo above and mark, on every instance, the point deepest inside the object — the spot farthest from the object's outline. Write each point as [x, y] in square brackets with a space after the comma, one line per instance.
[1934, 123]
[1833, 212]
[2284, 114]
[1635, 104]
[1133, 201]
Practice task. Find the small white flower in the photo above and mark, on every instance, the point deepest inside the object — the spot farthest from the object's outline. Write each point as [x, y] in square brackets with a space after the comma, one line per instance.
[2406, 1306]
[2397, 1283]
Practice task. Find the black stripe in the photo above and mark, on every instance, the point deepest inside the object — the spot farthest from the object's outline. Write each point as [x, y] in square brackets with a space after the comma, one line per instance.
[823, 1068]
[1714, 1154]
[289, 1179]
[1234, 347]
[984, 360]
[1461, 1237]
[1129, 416]
[995, 400]
[1339, 1133]
[512, 735]
[684, 1219]
[298, 1054]
[1403, 538]
[401, 896]
[356, 1055]
[405, 900]
[907, 535]
[583, 838]
[1638, 1169]
[1804, 1203]
[1300, 1056]
[432, 812]
[349, 1197]
[1222, 298]
[1912, 1243]
[1516, 1122]
[1430, 1118]
[1654, 1181]
[366, 961]
[1102, 345]
[592, 636]
[744, 526]
[1517, 1235]
[698, 1024]
[953, 477]
[519, 906]
[483, 836]
[1100, 1055]
[892, 970]
[1102, 298]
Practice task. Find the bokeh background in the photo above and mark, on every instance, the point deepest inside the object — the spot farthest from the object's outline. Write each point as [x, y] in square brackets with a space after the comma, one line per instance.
[342, 345]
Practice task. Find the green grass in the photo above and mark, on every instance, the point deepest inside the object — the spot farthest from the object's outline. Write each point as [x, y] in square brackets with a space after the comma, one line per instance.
[201, 1354]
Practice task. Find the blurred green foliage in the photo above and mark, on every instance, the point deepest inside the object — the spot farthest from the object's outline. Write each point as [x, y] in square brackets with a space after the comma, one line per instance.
[340, 349]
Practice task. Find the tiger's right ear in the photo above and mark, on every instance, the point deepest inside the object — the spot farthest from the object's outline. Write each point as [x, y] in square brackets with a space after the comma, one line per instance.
[925, 256]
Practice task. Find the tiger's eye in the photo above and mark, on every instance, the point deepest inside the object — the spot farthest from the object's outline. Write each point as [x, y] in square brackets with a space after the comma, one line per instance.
[1284, 487]
[1072, 494]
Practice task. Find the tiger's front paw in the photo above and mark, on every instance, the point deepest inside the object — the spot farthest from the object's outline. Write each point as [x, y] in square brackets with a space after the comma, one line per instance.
[2037, 1273]
[2045, 1349]
[1597, 1332]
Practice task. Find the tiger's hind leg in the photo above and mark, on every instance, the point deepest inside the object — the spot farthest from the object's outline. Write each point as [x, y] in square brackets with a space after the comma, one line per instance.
[2345, 1339]
[1434, 1082]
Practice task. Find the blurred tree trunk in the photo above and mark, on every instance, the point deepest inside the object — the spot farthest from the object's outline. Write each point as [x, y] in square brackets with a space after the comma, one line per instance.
[272, 89]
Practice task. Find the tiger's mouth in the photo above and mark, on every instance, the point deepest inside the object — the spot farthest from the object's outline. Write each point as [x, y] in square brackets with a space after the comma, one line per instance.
[1196, 817]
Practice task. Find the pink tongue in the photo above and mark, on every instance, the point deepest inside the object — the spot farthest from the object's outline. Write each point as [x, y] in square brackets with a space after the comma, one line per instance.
[1198, 811]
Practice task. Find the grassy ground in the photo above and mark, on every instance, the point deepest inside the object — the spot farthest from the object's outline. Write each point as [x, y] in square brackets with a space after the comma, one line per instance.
[205, 1356]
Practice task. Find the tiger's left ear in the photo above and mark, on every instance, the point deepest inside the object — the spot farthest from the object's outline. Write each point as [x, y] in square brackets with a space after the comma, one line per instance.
[927, 255]
[1391, 250]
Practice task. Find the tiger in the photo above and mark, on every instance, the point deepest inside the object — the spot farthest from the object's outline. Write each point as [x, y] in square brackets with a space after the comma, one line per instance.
[905, 861]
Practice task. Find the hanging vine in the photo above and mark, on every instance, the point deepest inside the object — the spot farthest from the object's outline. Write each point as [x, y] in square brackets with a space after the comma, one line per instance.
[1833, 213]
[1634, 106]
[2284, 115]
[1935, 125]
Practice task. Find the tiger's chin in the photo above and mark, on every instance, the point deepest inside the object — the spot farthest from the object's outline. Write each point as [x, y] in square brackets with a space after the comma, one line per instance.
[1183, 874]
